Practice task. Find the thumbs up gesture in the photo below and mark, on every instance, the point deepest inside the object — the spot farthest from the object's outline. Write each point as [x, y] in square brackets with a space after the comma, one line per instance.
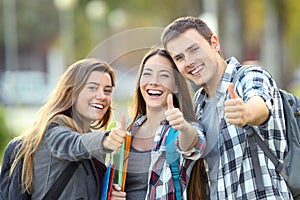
[235, 108]
[116, 137]
[174, 116]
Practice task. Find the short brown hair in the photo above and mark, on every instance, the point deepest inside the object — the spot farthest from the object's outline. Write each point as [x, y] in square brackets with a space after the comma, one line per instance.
[182, 24]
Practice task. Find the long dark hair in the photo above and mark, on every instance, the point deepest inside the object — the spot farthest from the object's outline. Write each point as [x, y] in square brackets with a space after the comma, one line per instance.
[182, 99]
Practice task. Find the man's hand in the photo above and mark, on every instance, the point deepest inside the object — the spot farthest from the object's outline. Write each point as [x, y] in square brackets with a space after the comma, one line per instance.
[235, 109]
[254, 112]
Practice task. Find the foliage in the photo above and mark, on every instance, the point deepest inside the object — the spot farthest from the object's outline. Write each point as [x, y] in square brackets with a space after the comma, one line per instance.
[292, 36]
[5, 134]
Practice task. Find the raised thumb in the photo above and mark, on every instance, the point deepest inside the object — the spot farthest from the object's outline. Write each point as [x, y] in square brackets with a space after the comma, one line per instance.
[231, 91]
[123, 122]
[170, 101]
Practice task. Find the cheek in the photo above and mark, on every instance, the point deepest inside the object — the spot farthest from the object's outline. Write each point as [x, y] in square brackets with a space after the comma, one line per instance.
[180, 66]
[169, 84]
[109, 100]
[143, 82]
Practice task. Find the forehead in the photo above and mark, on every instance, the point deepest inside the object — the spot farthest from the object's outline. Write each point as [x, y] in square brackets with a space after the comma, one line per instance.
[99, 77]
[185, 40]
[157, 62]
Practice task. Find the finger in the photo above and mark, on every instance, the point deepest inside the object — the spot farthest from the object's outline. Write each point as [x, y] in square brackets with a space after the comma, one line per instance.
[231, 91]
[116, 187]
[170, 101]
[123, 122]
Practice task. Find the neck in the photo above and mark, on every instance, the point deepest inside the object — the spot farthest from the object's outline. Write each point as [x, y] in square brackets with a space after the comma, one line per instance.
[154, 116]
[212, 86]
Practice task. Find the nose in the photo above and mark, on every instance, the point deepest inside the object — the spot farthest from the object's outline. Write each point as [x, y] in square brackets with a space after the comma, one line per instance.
[154, 80]
[189, 60]
[100, 95]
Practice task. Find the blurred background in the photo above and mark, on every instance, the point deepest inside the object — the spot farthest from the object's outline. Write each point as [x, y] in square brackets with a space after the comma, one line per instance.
[39, 39]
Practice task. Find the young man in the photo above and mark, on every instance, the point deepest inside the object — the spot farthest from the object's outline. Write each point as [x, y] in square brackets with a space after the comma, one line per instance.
[227, 111]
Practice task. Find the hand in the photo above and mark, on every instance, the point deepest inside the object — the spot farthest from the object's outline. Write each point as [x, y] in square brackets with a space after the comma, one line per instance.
[174, 116]
[235, 108]
[116, 137]
[116, 193]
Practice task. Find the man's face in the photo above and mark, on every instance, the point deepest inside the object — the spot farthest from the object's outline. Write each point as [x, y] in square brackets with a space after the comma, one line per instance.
[195, 58]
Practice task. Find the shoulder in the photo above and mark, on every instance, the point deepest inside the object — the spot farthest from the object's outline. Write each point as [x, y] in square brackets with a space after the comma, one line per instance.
[13, 146]
[53, 128]
[253, 72]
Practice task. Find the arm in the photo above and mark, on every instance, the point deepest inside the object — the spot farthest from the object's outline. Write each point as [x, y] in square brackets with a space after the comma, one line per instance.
[67, 144]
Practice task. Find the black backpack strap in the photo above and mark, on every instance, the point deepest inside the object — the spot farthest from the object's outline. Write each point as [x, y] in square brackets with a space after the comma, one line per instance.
[59, 185]
[254, 157]
[255, 138]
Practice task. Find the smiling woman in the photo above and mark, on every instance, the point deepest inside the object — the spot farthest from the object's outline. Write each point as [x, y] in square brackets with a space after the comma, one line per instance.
[163, 124]
[95, 98]
[61, 135]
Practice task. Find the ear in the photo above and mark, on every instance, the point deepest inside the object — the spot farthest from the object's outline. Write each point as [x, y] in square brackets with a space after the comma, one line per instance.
[215, 43]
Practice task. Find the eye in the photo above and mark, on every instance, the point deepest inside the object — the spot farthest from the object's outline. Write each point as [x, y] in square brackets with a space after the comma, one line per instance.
[146, 74]
[108, 90]
[93, 88]
[194, 49]
[178, 58]
[165, 75]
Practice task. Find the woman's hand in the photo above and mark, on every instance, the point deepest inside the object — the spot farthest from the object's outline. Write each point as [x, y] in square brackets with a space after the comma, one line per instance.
[116, 193]
[188, 136]
[174, 116]
[116, 137]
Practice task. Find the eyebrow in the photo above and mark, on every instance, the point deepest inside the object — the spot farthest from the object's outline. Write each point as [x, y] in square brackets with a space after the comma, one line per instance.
[94, 83]
[161, 70]
[189, 48]
[192, 46]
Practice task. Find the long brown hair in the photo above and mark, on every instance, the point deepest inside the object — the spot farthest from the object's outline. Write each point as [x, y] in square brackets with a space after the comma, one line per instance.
[197, 186]
[183, 101]
[60, 109]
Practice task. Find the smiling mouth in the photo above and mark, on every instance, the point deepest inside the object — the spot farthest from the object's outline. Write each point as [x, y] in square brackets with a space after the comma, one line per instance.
[154, 92]
[98, 106]
[196, 70]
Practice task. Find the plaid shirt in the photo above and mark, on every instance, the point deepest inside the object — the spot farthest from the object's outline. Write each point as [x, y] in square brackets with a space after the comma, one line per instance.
[161, 184]
[236, 177]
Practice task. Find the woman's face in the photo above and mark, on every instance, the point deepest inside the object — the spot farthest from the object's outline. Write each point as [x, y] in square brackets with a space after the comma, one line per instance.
[157, 81]
[95, 98]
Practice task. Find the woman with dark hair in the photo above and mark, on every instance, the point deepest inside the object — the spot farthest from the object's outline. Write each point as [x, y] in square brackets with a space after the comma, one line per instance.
[80, 103]
[162, 106]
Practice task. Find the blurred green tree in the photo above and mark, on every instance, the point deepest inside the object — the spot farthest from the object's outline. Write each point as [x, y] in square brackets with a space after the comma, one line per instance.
[5, 134]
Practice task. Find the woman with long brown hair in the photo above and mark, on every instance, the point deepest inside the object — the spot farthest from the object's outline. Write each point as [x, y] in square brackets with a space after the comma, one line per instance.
[162, 106]
[71, 128]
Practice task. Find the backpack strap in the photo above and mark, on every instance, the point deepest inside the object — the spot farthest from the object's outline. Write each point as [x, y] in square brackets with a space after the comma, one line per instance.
[61, 182]
[172, 157]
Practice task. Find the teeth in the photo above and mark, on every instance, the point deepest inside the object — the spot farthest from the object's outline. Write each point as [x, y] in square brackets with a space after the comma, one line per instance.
[195, 71]
[156, 92]
[97, 106]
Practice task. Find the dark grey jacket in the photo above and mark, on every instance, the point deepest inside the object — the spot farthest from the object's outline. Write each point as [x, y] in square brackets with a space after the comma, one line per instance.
[59, 147]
